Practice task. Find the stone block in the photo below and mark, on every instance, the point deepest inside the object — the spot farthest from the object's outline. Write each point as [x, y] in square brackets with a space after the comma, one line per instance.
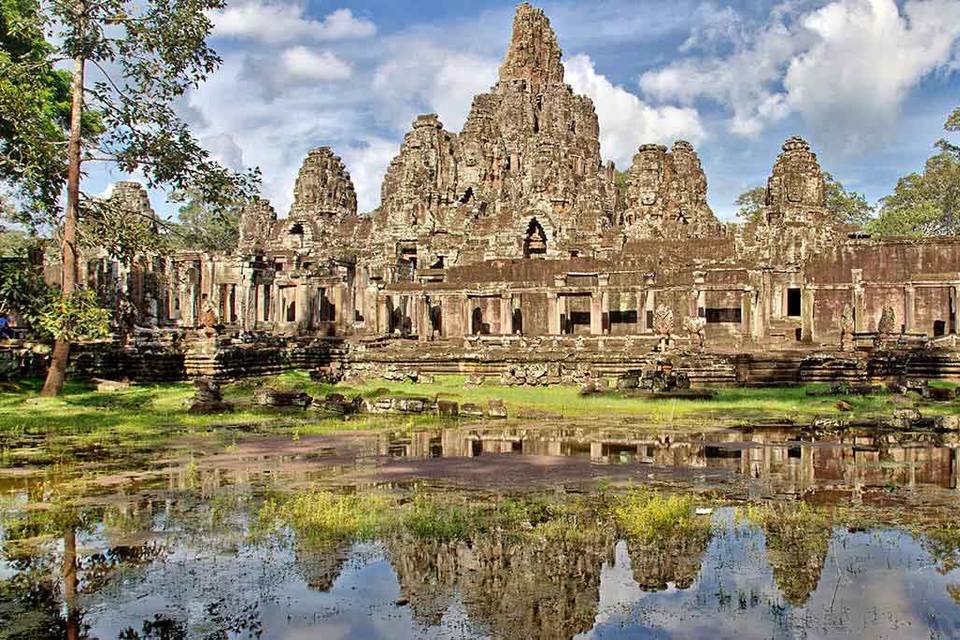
[471, 410]
[448, 408]
[496, 409]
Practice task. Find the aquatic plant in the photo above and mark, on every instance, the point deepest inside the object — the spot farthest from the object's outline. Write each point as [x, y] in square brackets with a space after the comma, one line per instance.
[324, 517]
[650, 517]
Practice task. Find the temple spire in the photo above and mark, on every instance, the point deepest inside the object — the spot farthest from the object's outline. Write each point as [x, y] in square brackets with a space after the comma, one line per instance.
[534, 54]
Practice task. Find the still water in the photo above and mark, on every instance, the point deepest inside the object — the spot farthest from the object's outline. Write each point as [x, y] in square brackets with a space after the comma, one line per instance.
[176, 559]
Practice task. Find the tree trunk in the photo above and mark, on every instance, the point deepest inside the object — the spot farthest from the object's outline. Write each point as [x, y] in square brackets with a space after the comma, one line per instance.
[70, 582]
[57, 372]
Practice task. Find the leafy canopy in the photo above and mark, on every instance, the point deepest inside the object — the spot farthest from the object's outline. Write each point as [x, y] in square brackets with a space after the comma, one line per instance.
[846, 207]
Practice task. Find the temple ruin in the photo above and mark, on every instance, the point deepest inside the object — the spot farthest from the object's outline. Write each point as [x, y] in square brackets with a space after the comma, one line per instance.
[513, 237]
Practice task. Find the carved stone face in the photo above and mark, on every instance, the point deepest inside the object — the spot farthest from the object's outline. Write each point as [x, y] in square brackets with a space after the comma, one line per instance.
[649, 183]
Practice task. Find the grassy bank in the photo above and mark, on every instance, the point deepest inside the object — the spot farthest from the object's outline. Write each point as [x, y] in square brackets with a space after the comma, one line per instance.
[148, 415]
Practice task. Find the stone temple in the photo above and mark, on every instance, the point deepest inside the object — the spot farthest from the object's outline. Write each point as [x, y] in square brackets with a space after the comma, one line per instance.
[511, 242]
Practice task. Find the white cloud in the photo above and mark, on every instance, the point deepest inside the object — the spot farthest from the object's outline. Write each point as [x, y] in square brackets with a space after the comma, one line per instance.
[368, 163]
[626, 121]
[422, 76]
[303, 63]
[276, 23]
[846, 67]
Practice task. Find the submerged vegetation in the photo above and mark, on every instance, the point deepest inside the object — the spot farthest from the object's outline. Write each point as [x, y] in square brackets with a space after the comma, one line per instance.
[327, 518]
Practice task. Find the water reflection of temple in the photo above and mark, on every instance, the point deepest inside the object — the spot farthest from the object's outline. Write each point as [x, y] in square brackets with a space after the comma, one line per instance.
[785, 458]
[531, 587]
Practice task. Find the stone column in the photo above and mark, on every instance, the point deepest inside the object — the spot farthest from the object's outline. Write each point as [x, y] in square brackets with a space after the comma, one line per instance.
[640, 303]
[506, 314]
[596, 314]
[383, 314]
[859, 309]
[605, 310]
[553, 314]
[909, 308]
[303, 307]
[746, 315]
[806, 315]
[649, 305]
[467, 317]
[418, 326]
[955, 307]
[562, 313]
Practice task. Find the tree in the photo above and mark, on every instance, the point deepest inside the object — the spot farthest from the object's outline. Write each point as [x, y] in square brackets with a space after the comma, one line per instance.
[205, 227]
[34, 110]
[923, 204]
[131, 61]
[845, 207]
[751, 203]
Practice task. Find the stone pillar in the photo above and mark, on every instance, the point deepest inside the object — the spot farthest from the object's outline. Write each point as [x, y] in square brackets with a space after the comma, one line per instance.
[562, 312]
[303, 306]
[859, 308]
[746, 313]
[506, 314]
[467, 317]
[649, 305]
[553, 314]
[383, 314]
[419, 320]
[596, 314]
[909, 308]
[955, 308]
[641, 304]
[605, 310]
[806, 315]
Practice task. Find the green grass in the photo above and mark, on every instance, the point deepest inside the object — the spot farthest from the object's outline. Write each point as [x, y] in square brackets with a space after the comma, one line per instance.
[652, 518]
[326, 518]
[83, 423]
[731, 405]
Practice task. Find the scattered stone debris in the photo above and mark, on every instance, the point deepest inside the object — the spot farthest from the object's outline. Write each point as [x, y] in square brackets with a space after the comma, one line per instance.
[107, 386]
[327, 375]
[496, 409]
[339, 404]
[208, 398]
[473, 380]
[471, 410]
[448, 408]
[277, 398]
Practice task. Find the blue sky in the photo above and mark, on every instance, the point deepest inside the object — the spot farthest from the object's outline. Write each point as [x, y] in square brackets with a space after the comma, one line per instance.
[868, 82]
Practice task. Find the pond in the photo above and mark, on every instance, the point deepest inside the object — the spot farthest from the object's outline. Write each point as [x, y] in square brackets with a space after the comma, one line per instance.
[800, 534]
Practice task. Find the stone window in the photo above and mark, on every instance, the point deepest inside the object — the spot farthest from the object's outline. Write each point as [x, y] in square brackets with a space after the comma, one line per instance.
[723, 314]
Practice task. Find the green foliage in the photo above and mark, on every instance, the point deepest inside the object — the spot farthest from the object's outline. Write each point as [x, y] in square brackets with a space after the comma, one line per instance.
[74, 316]
[923, 204]
[846, 207]
[751, 203]
[125, 234]
[620, 180]
[325, 518]
[953, 126]
[22, 290]
[206, 227]
[652, 518]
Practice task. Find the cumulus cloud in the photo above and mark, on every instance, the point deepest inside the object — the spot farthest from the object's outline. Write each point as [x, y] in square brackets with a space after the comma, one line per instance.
[626, 121]
[845, 67]
[303, 63]
[422, 75]
[368, 163]
[276, 23]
